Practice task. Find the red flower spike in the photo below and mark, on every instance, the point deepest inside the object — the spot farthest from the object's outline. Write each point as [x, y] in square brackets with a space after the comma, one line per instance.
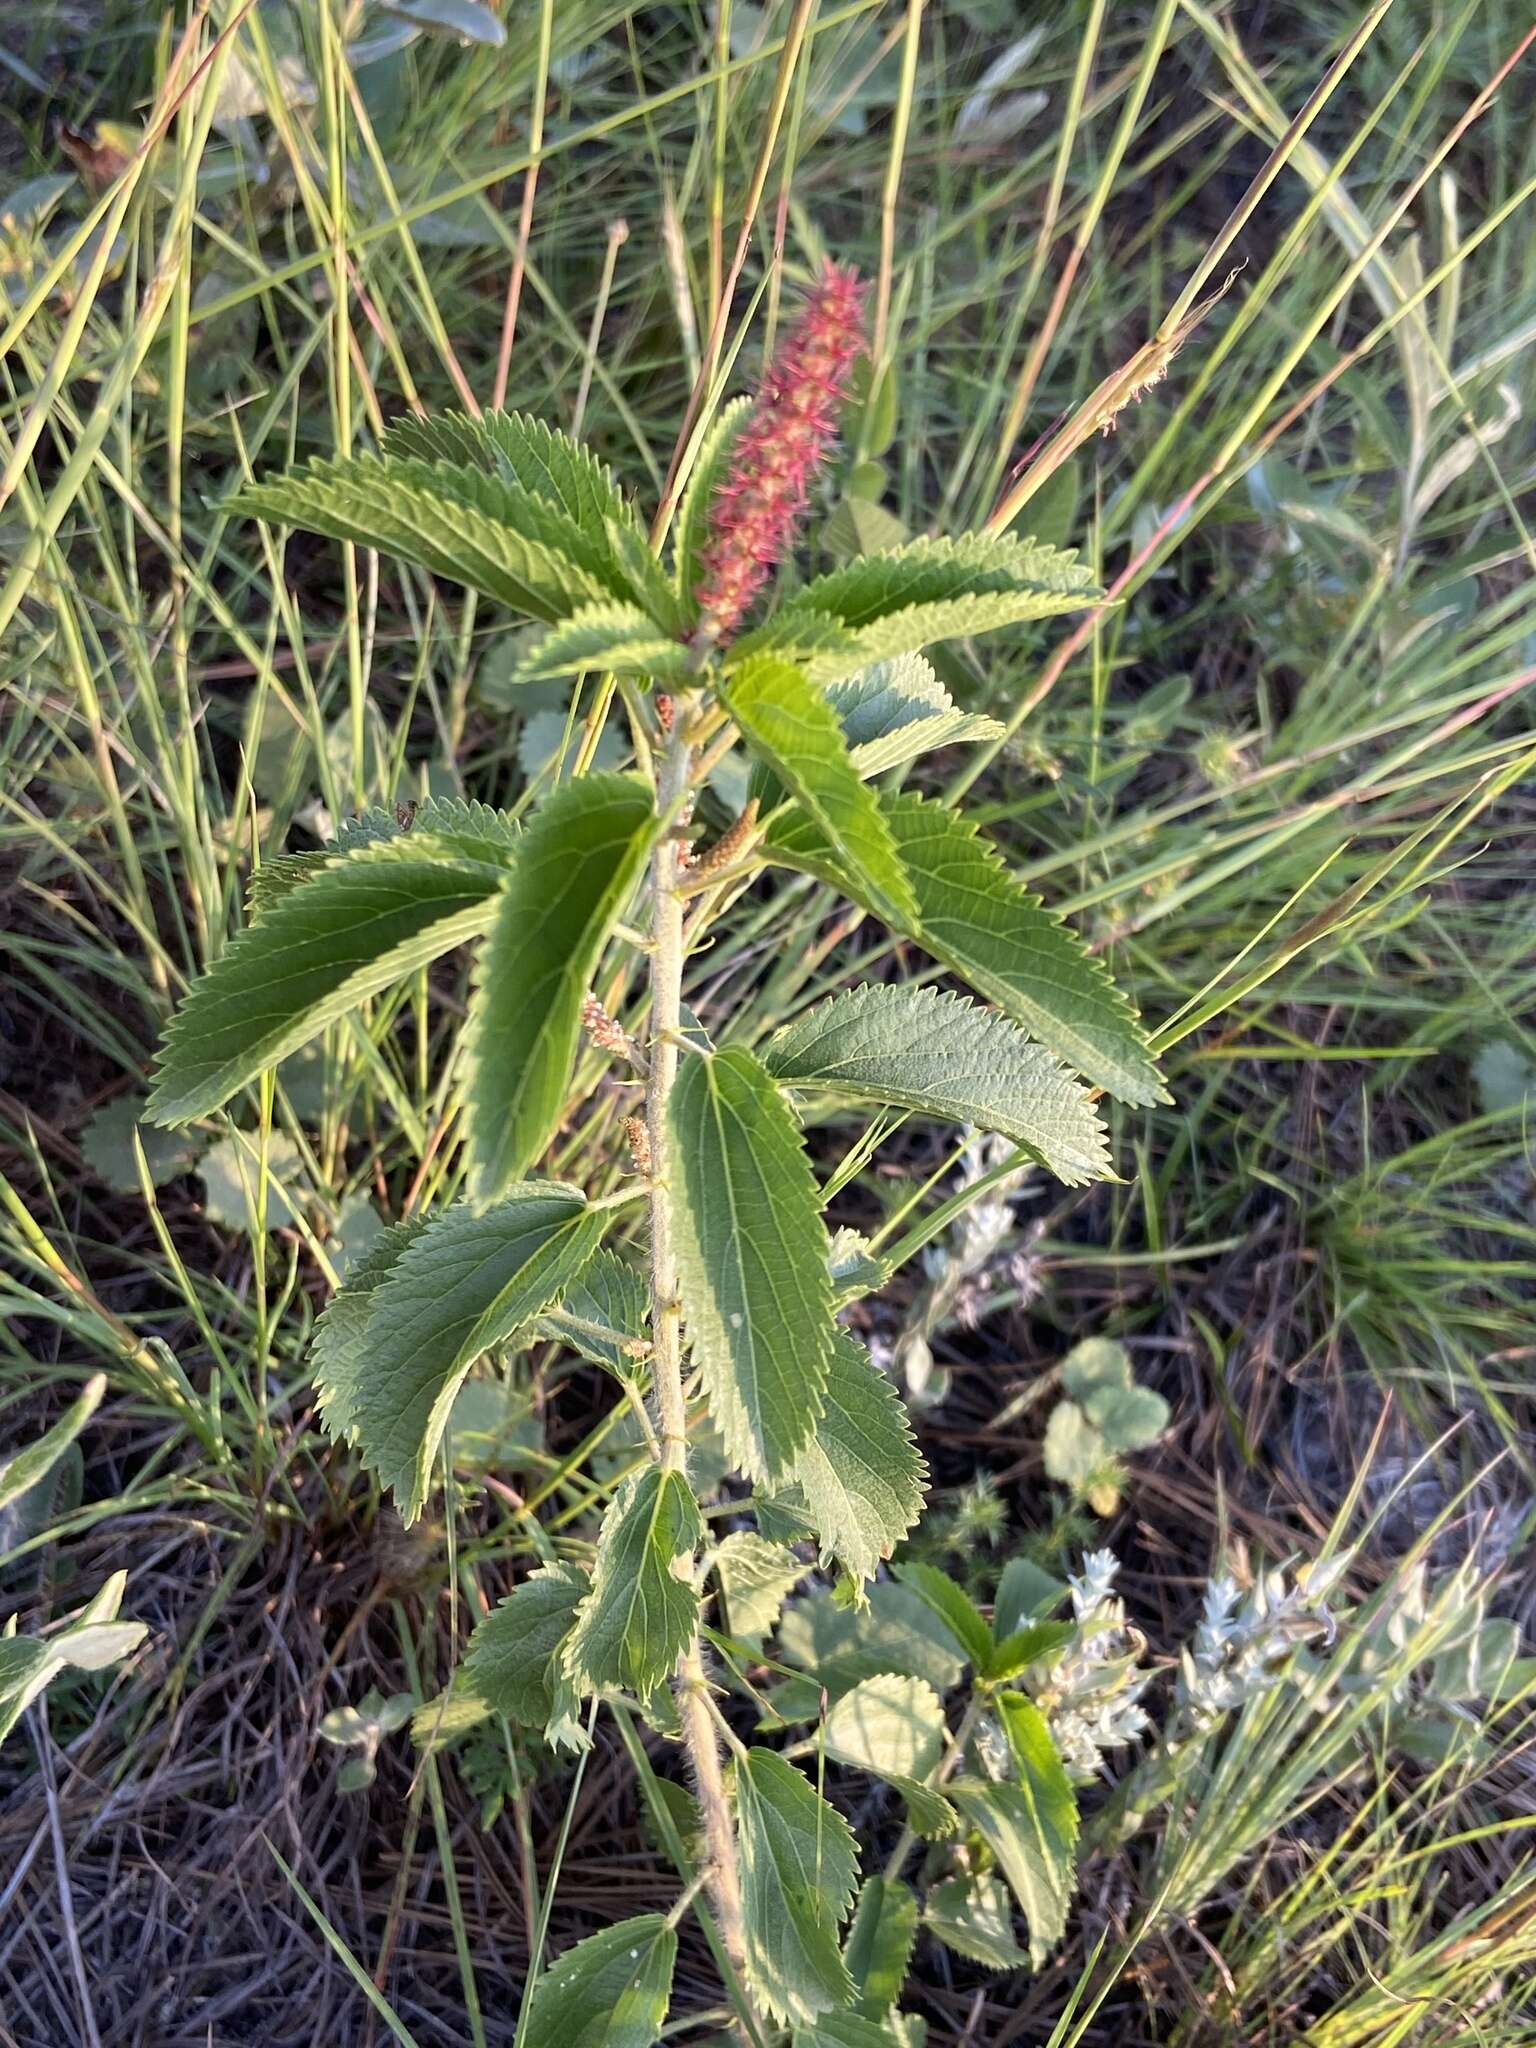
[787, 438]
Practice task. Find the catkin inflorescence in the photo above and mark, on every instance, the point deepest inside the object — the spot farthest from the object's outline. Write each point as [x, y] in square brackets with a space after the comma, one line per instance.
[786, 439]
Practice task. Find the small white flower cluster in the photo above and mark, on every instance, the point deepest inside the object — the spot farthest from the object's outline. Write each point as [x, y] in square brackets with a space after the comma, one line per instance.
[1091, 1694]
[1242, 1644]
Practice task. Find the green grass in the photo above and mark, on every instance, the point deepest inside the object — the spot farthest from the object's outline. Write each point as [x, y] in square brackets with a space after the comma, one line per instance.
[1284, 782]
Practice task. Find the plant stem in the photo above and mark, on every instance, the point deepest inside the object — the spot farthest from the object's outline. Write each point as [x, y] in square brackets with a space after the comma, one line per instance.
[690, 1682]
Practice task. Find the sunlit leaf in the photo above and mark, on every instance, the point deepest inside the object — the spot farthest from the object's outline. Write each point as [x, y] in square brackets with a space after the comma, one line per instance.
[973, 1916]
[577, 864]
[603, 1315]
[480, 530]
[620, 637]
[757, 1295]
[893, 1727]
[1030, 1823]
[908, 597]
[798, 1866]
[539, 458]
[513, 1654]
[861, 1474]
[954, 1607]
[788, 722]
[976, 919]
[939, 1054]
[24, 1468]
[355, 928]
[756, 1578]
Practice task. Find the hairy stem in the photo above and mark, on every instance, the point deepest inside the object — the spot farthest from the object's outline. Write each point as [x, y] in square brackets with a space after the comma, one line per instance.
[690, 1682]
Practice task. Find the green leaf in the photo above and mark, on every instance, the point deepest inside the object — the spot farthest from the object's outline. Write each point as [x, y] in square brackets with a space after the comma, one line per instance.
[972, 1916]
[931, 572]
[860, 526]
[843, 2030]
[25, 1669]
[1128, 1418]
[789, 724]
[954, 1607]
[620, 637]
[893, 1727]
[756, 1578]
[641, 1611]
[547, 744]
[1095, 1363]
[812, 640]
[577, 865]
[513, 1656]
[230, 1172]
[444, 829]
[524, 450]
[889, 1725]
[1074, 1452]
[609, 1991]
[338, 1355]
[937, 1053]
[325, 947]
[861, 1473]
[752, 1256]
[908, 597]
[38, 1509]
[604, 1315]
[532, 516]
[465, 1283]
[647, 578]
[838, 1646]
[21, 1472]
[440, 1722]
[980, 922]
[1026, 1646]
[893, 711]
[1024, 1593]
[482, 531]
[879, 1944]
[697, 505]
[855, 1269]
[878, 700]
[107, 1143]
[1030, 1826]
[798, 1865]
[1505, 1077]
[1097, 1374]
